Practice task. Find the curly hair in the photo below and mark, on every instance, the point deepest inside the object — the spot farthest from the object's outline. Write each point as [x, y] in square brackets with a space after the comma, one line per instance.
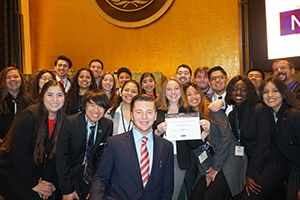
[72, 95]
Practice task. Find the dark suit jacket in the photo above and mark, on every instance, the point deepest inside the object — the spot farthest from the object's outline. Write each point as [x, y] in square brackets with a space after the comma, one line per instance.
[119, 176]
[24, 169]
[72, 146]
[256, 136]
[297, 91]
[287, 134]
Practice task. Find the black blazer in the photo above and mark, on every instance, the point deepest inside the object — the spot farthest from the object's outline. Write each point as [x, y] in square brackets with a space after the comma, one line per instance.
[72, 146]
[119, 175]
[6, 119]
[287, 134]
[23, 169]
[256, 136]
[183, 154]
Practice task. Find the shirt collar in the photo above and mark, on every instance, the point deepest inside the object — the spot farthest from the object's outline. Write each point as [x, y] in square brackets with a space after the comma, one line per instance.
[138, 136]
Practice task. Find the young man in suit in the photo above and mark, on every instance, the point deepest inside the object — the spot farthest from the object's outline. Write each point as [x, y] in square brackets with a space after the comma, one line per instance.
[62, 66]
[136, 164]
[80, 145]
[218, 81]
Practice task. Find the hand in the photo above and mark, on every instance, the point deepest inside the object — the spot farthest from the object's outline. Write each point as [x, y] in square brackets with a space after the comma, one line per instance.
[298, 194]
[45, 188]
[88, 196]
[216, 105]
[208, 179]
[161, 128]
[205, 124]
[213, 173]
[250, 184]
[71, 196]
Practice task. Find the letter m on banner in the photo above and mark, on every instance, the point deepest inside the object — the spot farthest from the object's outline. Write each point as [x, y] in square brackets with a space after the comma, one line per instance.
[290, 22]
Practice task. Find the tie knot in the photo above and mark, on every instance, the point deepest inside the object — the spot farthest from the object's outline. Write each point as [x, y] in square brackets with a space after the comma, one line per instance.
[61, 81]
[145, 139]
[92, 128]
[220, 97]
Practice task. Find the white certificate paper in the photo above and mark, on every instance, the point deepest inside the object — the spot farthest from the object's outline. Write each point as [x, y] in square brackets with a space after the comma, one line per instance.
[183, 126]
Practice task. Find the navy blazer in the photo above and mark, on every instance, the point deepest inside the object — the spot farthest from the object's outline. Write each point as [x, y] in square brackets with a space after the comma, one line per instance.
[119, 176]
[72, 146]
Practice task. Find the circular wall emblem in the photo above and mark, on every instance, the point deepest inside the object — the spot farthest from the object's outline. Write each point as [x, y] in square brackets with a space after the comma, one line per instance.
[131, 13]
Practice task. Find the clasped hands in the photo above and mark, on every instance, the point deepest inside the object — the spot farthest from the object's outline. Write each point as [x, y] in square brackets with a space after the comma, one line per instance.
[45, 188]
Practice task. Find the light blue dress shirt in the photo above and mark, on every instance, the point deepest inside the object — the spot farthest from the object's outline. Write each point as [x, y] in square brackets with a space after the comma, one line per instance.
[138, 138]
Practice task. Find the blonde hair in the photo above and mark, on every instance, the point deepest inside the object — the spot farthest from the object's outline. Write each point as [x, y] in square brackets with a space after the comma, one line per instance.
[162, 102]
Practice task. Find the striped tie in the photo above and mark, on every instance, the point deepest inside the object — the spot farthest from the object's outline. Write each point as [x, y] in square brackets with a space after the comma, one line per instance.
[88, 168]
[62, 82]
[144, 164]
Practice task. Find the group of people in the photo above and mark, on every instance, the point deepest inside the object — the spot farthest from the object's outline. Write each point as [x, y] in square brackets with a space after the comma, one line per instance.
[85, 139]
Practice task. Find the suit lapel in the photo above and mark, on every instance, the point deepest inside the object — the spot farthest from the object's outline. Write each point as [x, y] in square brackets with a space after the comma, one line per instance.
[155, 159]
[131, 148]
[82, 127]
[100, 132]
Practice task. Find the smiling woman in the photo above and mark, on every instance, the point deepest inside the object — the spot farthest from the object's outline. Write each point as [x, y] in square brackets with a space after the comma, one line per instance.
[28, 151]
[82, 81]
[120, 113]
[280, 98]
[12, 97]
[251, 123]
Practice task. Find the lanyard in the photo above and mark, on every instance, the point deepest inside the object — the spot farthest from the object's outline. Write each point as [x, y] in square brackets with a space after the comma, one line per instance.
[238, 126]
[124, 127]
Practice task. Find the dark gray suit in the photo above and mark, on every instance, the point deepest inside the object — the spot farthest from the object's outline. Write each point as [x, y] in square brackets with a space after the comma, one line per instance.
[223, 144]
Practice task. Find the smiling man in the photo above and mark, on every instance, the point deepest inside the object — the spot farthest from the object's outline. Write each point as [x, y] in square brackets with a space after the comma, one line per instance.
[96, 66]
[80, 145]
[62, 67]
[284, 69]
[136, 164]
[184, 74]
[218, 80]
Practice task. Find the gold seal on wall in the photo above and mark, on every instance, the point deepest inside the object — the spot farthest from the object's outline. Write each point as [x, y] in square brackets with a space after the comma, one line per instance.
[131, 13]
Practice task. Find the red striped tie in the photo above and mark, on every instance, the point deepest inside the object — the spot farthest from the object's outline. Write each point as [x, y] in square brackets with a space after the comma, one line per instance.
[144, 164]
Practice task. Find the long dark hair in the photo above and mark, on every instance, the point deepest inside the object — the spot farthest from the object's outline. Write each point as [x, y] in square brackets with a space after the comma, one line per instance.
[113, 93]
[286, 93]
[4, 91]
[202, 107]
[41, 127]
[113, 110]
[35, 92]
[145, 75]
[252, 96]
[72, 95]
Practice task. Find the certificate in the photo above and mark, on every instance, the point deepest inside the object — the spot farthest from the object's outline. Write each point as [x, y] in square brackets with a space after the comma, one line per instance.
[183, 126]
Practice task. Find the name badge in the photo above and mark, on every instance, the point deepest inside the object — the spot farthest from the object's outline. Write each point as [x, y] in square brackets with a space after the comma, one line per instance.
[202, 157]
[239, 151]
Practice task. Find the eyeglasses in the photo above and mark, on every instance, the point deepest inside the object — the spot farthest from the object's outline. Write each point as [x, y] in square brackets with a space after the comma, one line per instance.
[254, 76]
[214, 78]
